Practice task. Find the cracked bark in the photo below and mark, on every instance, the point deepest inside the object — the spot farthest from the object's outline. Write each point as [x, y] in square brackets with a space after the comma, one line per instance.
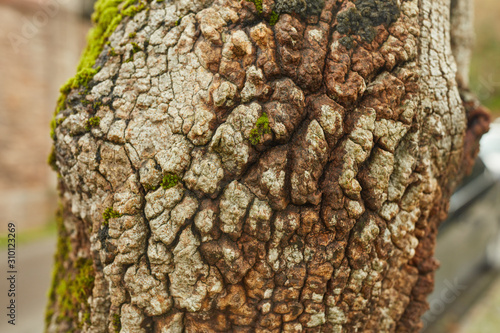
[315, 161]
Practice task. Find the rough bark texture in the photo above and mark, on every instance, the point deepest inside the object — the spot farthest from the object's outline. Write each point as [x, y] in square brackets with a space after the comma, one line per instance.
[264, 166]
[462, 36]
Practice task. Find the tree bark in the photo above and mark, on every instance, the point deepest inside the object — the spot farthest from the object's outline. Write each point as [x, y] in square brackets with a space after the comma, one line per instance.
[263, 166]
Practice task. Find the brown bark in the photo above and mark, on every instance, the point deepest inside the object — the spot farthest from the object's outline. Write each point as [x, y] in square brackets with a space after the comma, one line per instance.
[254, 177]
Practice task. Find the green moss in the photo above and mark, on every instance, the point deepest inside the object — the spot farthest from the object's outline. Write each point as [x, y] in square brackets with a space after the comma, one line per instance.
[178, 22]
[133, 10]
[169, 180]
[132, 34]
[258, 5]
[261, 127]
[135, 48]
[84, 279]
[109, 213]
[85, 319]
[73, 291]
[51, 160]
[117, 323]
[63, 242]
[64, 296]
[53, 124]
[96, 105]
[93, 122]
[148, 187]
[83, 77]
[274, 18]
[107, 16]
[49, 313]
[71, 283]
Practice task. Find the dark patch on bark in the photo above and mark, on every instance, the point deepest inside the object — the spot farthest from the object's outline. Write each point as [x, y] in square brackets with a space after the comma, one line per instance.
[361, 19]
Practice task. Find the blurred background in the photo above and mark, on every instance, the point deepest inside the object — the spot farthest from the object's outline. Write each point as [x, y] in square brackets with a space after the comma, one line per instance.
[41, 42]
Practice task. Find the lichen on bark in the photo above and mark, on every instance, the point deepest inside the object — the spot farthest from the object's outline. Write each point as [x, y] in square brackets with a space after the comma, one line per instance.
[303, 7]
[255, 177]
[361, 19]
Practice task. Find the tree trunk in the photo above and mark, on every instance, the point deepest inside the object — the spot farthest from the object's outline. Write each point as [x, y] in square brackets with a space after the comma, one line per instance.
[263, 166]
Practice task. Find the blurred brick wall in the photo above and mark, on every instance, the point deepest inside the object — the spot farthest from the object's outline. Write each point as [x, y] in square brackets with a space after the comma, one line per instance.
[40, 45]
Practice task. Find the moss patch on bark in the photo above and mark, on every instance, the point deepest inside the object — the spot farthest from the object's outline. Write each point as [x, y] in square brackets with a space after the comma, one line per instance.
[261, 127]
[107, 16]
[109, 213]
[117, 323]
[72, 283]
[169, 181]
[93, 122]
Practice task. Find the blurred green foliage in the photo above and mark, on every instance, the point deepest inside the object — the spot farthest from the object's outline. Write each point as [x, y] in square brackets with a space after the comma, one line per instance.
[485, 66]
[27, 236]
